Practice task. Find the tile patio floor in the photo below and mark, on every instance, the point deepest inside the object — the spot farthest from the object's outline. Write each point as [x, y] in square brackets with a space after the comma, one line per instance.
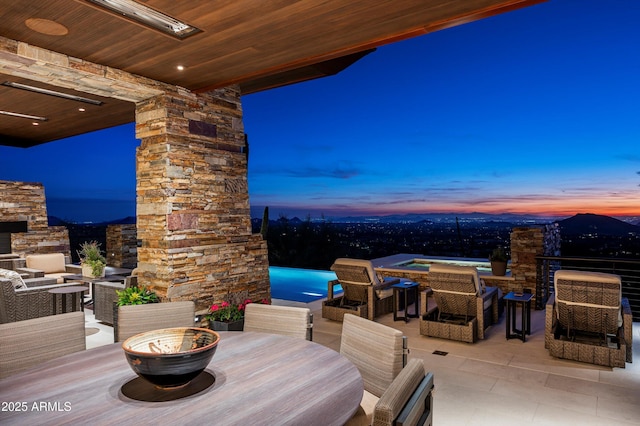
[497, 381]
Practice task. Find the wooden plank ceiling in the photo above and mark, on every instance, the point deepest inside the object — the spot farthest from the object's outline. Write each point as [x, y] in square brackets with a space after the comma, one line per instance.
[256, 44]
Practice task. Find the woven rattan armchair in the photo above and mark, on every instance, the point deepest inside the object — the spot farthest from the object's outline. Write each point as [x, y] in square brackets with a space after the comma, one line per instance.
[465, 308]
[32, 301]
[31, 342]
[287, 320]
[134, 319]
[588, 320]
[365, 294]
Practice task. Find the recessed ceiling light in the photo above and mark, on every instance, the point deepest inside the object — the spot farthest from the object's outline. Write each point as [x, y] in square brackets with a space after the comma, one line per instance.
[27, 116]
[180, 68]
[35, 124]
[81, 109]
[147, 16]
[51, 92]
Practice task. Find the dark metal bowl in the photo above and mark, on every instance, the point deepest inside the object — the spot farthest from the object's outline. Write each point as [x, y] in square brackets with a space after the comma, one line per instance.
[171, 357]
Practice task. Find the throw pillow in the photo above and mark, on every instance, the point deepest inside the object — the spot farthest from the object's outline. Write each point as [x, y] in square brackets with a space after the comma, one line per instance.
[14, 277]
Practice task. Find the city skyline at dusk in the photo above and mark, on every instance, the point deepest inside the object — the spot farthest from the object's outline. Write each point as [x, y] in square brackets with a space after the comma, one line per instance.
[529, 112]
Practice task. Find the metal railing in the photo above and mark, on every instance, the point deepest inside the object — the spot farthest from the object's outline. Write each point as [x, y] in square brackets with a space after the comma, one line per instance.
[628, 269]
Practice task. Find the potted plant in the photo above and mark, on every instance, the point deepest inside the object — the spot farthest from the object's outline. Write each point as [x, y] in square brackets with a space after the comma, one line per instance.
[136, 296]
[228, 316]
[498, 259]
[132, 296]
[92, 260]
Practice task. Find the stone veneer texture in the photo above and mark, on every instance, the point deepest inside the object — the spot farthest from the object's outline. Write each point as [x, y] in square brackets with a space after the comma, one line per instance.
[25, 202]
[192, 198]
[122, 246]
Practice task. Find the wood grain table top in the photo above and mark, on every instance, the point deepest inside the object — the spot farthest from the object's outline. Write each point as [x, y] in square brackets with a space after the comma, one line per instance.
[253, 379]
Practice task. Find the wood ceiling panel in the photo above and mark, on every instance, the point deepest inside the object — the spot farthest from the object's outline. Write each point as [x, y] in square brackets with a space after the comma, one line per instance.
[255, 44]
[63, 115]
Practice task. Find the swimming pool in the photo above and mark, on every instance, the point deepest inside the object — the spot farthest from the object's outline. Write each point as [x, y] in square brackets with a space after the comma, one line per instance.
[301, 285]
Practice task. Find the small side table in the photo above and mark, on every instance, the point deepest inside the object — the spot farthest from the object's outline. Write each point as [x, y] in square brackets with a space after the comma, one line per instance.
[403, 290]
[513, 300]
[64, 291]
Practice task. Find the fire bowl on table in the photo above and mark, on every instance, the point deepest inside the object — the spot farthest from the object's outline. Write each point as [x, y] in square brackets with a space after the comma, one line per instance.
[171, 357]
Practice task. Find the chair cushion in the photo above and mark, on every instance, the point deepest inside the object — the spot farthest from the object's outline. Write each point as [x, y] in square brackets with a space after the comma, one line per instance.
[50, 263]
[358, 263]
[463, 270]
[14, 277]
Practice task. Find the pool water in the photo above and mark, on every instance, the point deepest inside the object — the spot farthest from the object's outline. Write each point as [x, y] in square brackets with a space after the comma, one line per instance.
[301, 285]
[424, 264]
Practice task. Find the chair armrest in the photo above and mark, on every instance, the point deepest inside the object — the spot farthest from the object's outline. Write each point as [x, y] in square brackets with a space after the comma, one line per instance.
[33, 273]
[549, 320]
[73, 269]
[388, 282]
[330, 288]
[627, 325]
[38, 282]
[419, 405]
[43, 288]
[131, 281]
[489, 293]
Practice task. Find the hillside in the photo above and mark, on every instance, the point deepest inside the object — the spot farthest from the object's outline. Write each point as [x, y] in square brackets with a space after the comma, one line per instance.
[589, 223]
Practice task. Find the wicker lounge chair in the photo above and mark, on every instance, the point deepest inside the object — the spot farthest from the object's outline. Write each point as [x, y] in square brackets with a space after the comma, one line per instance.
[31, 342]
[286, 320]
[23, 299]
[365, 294]
[588, 320]
[134, 319]
[465, 308]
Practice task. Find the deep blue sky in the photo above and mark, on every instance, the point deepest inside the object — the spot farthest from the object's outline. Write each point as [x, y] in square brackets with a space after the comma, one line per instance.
[533, 111]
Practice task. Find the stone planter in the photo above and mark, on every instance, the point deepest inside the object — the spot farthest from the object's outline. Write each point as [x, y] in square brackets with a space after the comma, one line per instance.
[227, 326]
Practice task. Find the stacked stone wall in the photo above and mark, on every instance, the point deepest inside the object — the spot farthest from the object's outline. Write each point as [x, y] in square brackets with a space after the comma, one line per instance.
[122, 246]
[26, 202]
[23, 202]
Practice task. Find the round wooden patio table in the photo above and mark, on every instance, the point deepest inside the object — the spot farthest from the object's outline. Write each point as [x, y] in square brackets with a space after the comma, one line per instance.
[253, 379]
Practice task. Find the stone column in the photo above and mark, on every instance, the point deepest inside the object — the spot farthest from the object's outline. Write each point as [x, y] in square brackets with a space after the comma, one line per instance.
[122, 246]
[526, 244]
[192, 199]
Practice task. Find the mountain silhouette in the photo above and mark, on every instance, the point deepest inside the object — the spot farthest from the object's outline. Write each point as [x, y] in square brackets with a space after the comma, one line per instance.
[589, 223]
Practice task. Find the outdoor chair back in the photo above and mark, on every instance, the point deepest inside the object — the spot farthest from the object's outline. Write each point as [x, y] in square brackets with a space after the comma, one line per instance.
[33, 341]
[379, 351]
[588, 301]
[287, 320]
[134, 319]
[455, 288]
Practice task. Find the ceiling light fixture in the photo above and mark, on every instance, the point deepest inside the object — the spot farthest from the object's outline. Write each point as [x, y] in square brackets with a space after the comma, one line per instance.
[148, 17]
[27, 116]
[180, 68]
[51, 93]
